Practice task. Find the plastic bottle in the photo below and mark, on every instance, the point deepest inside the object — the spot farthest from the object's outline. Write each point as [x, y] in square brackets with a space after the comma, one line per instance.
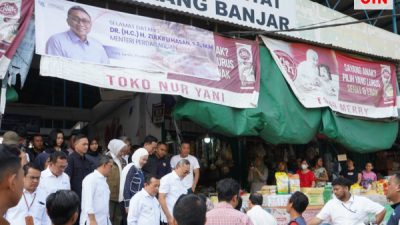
[327, 192]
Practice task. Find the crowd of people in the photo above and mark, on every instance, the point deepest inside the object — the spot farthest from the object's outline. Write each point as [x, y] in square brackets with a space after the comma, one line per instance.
[83, 185]
[311, 174]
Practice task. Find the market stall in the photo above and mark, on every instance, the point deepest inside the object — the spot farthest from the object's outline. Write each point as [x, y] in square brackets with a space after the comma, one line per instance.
[275, 203]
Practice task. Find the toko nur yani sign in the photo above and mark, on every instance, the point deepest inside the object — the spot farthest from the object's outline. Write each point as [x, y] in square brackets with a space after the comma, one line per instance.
[121, 51]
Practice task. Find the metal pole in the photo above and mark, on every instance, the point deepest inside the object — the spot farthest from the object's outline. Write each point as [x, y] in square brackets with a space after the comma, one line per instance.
[80, 95]
[394, 18]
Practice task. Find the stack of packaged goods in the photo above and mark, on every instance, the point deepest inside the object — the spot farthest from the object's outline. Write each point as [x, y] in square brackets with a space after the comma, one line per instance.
[282, 182]
[268, 190]
[315, 195]
[277, 200]
[294, 183]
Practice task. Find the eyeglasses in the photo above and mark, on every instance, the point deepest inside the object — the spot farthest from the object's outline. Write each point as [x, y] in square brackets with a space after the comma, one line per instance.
[78, 20]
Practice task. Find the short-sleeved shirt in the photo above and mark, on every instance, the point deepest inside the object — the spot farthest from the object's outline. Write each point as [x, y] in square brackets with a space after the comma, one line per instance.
[353, 212]
[49, 183]
[306, 179]
[318, 174]
[395, 217]
[171, 185]
[224, 214]
[368, 178]
[194, 164]
[298, 221]
[351, 175]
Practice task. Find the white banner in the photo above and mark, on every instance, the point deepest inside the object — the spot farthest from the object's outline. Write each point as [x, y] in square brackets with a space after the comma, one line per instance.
[270, 15]
[128, 79]
[281, 15]
[141, 54]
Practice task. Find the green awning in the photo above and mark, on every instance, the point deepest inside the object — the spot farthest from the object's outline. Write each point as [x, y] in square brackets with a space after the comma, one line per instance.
[280, 118]
[359, 135]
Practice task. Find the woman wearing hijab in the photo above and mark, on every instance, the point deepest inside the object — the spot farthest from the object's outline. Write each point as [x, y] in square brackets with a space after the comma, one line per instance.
[117, 150]
[134, 181]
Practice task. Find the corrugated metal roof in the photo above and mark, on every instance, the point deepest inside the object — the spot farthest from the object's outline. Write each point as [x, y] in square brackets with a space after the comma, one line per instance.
[361, 38]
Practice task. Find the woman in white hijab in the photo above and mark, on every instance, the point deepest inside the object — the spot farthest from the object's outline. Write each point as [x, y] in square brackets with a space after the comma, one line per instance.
[134, 180]
[117, 150]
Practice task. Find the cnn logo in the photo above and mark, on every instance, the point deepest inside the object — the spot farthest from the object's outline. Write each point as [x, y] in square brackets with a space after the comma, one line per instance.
[373, 4]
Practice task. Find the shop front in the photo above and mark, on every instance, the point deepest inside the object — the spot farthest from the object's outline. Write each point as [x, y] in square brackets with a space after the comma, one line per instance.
[286, 130]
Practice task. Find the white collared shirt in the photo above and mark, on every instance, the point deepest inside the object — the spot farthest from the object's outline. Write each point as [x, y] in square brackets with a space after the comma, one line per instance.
[95, 199]
[261, 217]
[353, 212]
[49, 183]
[171, 185]
[144, 209]
[30, 204]
[194, 164]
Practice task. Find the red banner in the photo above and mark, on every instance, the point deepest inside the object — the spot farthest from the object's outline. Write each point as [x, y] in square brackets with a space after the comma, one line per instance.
[11, 33]
[322, 77]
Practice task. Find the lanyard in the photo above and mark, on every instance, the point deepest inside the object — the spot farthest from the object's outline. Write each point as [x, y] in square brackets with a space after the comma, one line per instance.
[26, 202]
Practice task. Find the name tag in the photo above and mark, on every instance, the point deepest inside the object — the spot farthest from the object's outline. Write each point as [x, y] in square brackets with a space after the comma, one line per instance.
[29, 220]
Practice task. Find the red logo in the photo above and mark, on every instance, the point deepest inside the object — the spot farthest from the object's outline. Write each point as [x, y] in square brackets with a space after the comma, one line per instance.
[244, 54]
[373, 4]
[287, 63]
[8, 9]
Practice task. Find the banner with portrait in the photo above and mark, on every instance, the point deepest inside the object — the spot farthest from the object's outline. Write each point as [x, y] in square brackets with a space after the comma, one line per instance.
[170, 58]
[321, 77]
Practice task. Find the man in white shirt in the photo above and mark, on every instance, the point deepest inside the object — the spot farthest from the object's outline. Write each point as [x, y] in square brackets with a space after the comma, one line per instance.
[53, 178]
[96, 194]
[189, 181]
[171, 188]
[347, 208]
[31, 208]
[257, 214]
[144, 208]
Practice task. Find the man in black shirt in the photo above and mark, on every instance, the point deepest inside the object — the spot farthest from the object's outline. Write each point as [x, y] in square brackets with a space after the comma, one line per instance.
[393, 194]
[78, 165]
[150, 144]
[37, 147]
[351, 173]
[158, 164]
[162, 160]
